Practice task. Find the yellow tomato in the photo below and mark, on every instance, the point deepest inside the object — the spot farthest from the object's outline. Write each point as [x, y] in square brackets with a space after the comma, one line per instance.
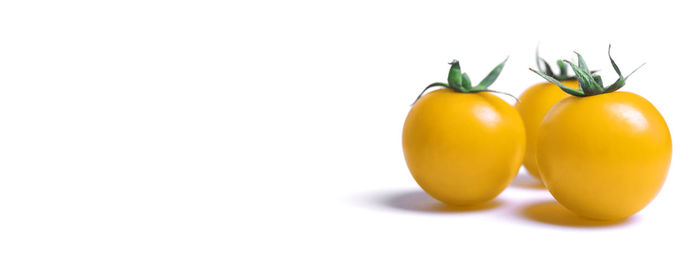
[463, 148]
[604, 156]
[533, 106]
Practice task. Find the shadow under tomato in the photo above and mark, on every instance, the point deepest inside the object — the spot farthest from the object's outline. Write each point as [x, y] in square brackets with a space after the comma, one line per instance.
[526, 181]
[551, 212]
[419, 201]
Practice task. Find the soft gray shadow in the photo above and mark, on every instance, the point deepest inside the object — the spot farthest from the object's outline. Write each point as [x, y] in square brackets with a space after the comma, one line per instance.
[419, 201]
[526, 181]
[551, 212]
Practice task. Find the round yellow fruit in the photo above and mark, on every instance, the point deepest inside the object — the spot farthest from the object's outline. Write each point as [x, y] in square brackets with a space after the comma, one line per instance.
[463, 148]
[533, 106]
[604, 156]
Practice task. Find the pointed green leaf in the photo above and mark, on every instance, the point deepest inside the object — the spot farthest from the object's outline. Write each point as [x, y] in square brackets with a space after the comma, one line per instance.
[628, 75]
[493, 75]
[617, 85]
[466, 82]
[585, 81]
[566, 89]
[454, 78]
[426, 89]
[617, 69]
[598, 79]
[547, 68]
[563, 70]
[540, 62]
[620, 81]
[581, 63]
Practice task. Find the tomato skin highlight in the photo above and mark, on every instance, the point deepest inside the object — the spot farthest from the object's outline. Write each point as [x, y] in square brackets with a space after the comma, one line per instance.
[605, 156]
[463, 148]
[533, 105]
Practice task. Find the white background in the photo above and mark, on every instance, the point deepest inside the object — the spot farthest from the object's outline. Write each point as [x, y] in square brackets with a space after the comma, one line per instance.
[275, 126]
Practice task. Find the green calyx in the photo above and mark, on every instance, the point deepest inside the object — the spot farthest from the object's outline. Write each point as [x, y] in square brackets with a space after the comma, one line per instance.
[544, 67]
[590, 83]
[459, 81]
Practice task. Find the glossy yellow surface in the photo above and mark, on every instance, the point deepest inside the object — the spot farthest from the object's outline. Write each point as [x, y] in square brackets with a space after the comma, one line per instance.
[533, 106]
[605, 156]
[463, 148]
